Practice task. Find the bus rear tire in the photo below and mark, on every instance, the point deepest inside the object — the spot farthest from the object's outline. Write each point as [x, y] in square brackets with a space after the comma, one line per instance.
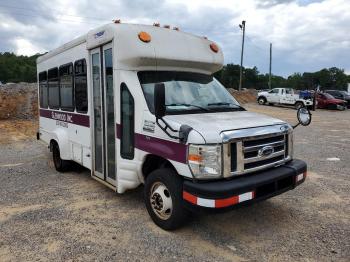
[60, 164]
[163, 198]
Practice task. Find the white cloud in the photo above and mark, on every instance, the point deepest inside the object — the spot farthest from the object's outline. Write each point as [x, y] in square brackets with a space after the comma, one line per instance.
[307, 35]
[25, 47]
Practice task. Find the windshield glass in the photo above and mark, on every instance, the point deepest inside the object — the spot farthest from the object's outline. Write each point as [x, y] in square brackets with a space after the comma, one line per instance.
[187, 92]
[328, 96]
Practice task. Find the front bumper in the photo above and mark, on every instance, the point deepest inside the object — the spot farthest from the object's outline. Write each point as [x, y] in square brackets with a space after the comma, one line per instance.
[226, 194]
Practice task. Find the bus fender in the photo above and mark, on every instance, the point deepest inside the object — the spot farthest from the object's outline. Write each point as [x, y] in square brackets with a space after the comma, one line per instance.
[61, 137]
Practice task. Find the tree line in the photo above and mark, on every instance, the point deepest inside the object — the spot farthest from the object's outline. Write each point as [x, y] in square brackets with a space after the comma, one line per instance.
[16, 69]
[327, 78]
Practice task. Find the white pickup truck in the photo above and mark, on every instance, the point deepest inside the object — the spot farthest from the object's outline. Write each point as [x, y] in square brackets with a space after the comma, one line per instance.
[283, 96]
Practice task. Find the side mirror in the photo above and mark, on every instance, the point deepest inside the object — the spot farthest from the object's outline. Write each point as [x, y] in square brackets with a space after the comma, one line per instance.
[159, 100]
[304, 116]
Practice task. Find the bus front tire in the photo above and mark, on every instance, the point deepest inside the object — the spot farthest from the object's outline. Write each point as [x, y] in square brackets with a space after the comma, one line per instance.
[60, 164]
[163, 198]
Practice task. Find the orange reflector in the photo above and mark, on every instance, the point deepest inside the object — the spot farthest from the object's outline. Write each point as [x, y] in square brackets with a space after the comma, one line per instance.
[214, 47]
[144, 37]
[195, 158]
[227, 201]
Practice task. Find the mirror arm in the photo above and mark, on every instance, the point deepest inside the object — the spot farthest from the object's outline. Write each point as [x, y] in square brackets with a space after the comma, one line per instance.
[296, 125]
[166, 127]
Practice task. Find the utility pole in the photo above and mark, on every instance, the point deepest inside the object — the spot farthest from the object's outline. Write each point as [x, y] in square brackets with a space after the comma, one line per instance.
[270, 66]
[242, 26]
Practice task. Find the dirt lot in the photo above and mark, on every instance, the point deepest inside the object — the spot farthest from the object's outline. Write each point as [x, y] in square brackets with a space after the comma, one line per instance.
[45, 215]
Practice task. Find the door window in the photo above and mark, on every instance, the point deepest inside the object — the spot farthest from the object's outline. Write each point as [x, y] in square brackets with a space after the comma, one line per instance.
[127, 123]
[98, 130]
[110, 113]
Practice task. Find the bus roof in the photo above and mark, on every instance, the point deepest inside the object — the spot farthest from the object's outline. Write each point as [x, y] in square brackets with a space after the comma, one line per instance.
[168, 49]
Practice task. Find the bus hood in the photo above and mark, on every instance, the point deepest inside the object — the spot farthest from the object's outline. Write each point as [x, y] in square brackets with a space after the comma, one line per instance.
[210, 125]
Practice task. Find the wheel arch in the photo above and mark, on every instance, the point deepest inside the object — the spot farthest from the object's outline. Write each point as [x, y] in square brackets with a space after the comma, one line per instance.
[60, 137]
[153, 162]
[300, 101]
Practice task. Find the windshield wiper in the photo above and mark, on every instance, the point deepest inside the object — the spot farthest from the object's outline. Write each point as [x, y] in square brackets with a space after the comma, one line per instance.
[188, 105]
[225, 104]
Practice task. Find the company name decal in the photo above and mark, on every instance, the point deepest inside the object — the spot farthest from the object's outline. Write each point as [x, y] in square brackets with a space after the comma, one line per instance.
[63, 119]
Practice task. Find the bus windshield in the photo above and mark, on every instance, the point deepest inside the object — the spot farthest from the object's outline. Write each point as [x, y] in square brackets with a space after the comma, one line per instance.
[188, 92]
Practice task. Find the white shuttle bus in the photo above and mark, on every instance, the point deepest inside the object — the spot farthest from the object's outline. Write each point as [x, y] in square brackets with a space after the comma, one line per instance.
[138, 104]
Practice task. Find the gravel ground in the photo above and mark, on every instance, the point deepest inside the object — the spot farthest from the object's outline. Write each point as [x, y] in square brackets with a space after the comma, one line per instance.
[45, 215]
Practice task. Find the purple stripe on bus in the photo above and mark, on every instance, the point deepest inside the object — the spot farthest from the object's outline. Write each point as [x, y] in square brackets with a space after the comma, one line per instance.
[160, 147]
[77, 119]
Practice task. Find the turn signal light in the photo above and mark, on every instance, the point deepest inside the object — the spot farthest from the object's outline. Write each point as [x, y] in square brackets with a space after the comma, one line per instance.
[195, 158]
[144, 37]
[214, 47]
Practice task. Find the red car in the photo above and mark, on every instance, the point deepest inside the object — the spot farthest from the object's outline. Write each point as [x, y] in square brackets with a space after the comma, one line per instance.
[325, 100]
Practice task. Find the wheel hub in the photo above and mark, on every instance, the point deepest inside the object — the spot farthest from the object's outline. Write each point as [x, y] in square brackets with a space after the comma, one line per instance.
[161, 201]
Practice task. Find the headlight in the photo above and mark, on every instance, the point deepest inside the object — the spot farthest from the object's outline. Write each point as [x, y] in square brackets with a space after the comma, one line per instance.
[205, 161]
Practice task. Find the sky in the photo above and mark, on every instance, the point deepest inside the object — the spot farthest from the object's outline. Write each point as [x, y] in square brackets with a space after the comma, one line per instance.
[306, 35]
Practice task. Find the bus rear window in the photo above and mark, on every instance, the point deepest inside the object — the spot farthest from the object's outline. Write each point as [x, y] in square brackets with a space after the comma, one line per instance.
[43, 90]
[66, 87]
[54, 94]
[81, 97]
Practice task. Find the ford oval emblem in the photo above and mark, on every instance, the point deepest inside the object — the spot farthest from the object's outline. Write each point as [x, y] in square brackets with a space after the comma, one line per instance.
[266, 151]
[284, 128]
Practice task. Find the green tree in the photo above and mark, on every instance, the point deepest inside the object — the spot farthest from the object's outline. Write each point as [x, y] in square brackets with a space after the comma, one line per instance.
[15, 68]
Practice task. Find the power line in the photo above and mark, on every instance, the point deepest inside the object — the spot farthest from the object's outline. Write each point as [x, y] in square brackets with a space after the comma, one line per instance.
[53, 18]
[56, 10]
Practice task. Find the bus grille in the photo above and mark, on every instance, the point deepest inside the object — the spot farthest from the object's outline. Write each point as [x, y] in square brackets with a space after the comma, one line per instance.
[253, 157]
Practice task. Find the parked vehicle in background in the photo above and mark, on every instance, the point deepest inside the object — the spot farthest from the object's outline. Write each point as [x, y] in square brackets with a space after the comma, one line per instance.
[327, 101]
[340, 94]
[283, 96]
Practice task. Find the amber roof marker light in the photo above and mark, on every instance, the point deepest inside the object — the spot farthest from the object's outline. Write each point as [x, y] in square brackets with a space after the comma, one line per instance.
[144, 37]
[214, 47]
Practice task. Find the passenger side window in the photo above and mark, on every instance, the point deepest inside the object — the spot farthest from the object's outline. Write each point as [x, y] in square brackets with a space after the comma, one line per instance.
[66, 87]
[54, 95]
[43, 89]
[80, 80]
[127, 123]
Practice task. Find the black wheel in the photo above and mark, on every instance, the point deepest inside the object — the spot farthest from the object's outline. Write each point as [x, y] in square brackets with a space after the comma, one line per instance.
[262, 100]
[60, 164]
[299, 105]
[163, 198]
